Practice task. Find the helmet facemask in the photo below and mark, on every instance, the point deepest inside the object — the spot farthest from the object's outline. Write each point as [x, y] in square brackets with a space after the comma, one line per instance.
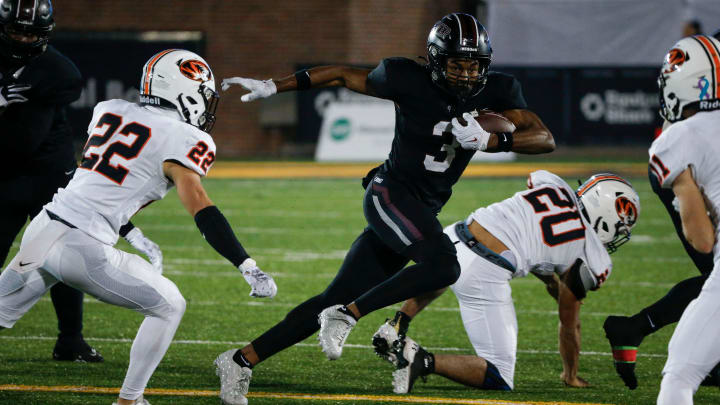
[181, 80]
[34, 22]
[461, 37]
[611, 206]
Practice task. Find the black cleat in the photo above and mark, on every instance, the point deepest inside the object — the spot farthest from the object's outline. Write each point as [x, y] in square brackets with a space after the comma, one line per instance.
[76, 350]
[624, 345]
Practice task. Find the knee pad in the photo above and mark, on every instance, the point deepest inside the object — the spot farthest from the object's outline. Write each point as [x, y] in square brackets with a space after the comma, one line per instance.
[493, 379]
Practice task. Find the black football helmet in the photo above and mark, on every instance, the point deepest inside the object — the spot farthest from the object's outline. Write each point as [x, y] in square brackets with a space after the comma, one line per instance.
[29, 17]
[458, 35]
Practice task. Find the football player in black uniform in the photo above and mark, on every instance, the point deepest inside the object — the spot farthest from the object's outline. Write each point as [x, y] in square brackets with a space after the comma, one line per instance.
[36, 85]
[403, 196]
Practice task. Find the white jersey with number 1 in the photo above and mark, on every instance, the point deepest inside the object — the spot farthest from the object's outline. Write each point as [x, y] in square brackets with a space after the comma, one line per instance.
[545, 230]
[122, 168]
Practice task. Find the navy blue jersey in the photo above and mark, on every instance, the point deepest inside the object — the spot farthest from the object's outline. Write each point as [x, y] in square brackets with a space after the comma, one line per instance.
[424, 155]
[35, 134]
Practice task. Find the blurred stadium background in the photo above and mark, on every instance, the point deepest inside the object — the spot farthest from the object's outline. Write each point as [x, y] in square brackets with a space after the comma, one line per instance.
[588, 68]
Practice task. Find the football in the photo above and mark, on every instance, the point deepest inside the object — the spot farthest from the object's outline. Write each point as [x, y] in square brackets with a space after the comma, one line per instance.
[492, 122]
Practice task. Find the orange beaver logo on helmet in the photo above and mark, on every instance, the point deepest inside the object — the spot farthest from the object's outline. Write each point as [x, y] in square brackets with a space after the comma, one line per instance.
[674, 59]
[196, 70]
[626, 210]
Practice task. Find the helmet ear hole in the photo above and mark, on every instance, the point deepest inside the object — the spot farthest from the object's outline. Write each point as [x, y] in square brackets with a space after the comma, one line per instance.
[191, 100]
[605, 227]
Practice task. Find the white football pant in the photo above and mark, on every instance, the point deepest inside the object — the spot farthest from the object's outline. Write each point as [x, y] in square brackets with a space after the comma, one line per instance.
[110, 275]
[486, 307]
[693, 350]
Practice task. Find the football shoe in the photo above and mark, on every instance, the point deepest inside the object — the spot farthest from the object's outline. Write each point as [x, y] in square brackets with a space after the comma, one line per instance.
[418, 360]
[76, 350]
[139, 401]
[234, 379]
[624, 345]
[335, 326]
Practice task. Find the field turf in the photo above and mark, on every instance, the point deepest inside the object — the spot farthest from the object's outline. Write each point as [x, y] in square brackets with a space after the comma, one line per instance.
[299, 230]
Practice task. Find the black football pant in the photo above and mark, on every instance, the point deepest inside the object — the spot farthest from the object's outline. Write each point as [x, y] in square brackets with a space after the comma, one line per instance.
[373, 274]
[669, 308]
[23, 198]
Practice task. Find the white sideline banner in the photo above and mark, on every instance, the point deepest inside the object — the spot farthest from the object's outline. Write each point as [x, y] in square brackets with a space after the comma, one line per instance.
[362, 132]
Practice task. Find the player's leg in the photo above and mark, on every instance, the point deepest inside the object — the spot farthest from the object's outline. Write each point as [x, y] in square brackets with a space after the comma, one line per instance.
[693, 350]
[488, 314]
[126, 280]
[20, 291]
[626, 333]
[411, 229]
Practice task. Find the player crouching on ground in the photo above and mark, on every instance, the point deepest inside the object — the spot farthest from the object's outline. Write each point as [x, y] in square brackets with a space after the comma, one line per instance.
[134, 155]
[546, 230]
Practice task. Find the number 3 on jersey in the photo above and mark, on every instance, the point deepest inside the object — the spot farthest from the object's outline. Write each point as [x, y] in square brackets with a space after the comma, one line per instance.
[442, 159]
[128, 151]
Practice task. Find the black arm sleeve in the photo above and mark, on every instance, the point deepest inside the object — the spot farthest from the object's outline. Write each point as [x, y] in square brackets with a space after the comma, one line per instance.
[217, 232]
[126, 228]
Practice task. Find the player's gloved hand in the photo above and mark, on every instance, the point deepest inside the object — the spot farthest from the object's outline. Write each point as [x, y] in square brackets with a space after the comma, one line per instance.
[147, 247]
[470, 136]
[262, 284]
[626, 371]
[12, 94]
[258, 88]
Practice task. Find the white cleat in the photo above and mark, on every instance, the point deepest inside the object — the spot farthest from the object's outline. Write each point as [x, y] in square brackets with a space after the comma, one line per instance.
[384, 342]
[404, 378]
[335, 327]
[234, 379]
[139, 401]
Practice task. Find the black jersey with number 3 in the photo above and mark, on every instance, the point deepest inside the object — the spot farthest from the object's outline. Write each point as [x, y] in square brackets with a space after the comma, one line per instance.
[425, 155]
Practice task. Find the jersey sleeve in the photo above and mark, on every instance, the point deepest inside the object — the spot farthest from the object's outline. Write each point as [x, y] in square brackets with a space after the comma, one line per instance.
[62, 83]
[196, 151]
[597, 260]
[669, 156]
[386, 79]
[510, 95]
[540, 178]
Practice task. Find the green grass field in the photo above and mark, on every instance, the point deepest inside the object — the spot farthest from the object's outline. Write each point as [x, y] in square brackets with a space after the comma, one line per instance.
[299, 231]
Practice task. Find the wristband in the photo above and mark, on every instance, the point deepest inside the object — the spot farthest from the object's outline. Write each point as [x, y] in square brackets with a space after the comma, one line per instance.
[125, 229]
[505, 141]
[303, 79]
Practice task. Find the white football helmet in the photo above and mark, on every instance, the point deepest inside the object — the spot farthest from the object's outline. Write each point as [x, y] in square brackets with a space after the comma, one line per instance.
[689, 77]
[612, 207]
[180, 79]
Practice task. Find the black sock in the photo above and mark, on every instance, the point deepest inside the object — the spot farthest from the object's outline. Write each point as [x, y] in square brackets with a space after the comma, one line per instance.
[669, 308]
[346, 311]
[428, 363]
[241, 360]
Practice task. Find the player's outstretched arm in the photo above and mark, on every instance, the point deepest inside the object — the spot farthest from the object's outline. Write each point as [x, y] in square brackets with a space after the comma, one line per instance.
[696, 225]
[531, 136]
[321, 76]
[216, 229]
[569, 335]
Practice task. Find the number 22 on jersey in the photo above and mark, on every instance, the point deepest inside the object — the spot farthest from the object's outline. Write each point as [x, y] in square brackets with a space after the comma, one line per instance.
[98, 153]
